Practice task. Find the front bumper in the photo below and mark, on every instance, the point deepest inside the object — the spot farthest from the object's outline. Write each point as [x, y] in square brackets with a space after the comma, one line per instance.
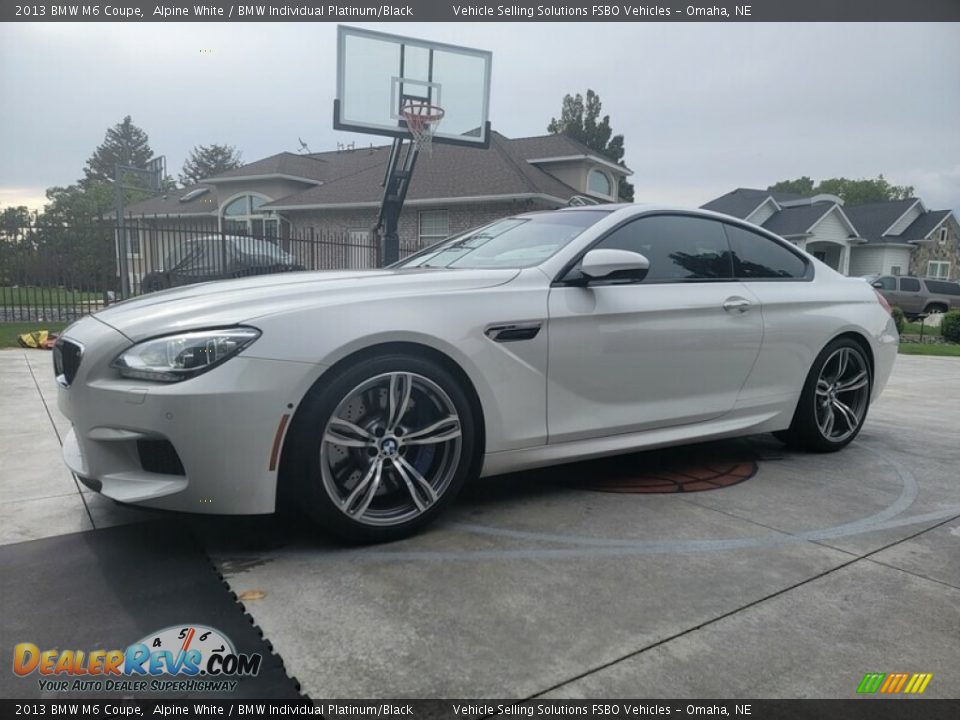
[222, 426]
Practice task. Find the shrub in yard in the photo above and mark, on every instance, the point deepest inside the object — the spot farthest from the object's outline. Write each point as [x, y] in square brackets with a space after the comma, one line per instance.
[950, 326]
[898, 318]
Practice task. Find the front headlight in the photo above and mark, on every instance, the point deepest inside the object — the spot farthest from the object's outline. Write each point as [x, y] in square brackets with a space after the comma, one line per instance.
[173, 358]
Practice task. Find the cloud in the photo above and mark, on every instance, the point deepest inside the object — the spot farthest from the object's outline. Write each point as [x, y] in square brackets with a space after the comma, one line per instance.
[33, 197]
[703, 107]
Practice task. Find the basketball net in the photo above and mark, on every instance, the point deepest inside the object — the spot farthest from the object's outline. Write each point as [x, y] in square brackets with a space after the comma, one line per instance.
[422, 121]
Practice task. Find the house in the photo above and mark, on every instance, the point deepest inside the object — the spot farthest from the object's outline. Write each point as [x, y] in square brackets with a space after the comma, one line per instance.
[338, 193]
[898, 237]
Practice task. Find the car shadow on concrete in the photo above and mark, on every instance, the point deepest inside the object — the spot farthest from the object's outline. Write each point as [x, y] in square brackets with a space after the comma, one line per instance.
[667, 470]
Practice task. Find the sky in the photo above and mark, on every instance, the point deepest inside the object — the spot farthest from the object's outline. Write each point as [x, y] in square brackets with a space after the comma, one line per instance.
[704, 108]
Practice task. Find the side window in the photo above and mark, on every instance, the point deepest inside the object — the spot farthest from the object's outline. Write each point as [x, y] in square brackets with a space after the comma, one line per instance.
[942, 287]
[757, 257]
[909, 285]
[678, 247]
[889, 283]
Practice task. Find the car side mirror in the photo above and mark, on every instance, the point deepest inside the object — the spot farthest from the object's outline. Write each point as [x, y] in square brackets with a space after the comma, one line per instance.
[609, 264]
[877, 284]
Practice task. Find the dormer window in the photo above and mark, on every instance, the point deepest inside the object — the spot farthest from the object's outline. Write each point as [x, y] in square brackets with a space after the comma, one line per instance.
[598, 183]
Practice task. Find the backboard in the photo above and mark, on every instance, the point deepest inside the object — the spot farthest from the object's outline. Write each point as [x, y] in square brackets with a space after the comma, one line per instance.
[377, 74]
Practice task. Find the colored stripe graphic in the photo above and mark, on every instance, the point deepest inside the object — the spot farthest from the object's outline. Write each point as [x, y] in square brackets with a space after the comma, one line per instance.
[922, 685]
[870, 683]
[893, 683]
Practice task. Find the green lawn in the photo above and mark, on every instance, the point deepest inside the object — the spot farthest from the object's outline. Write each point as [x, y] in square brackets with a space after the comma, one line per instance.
[938, 349]
[913, 328]
[9, 331]
[45, 296]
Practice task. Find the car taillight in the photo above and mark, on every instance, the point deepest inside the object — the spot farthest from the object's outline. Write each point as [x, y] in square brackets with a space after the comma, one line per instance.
[883, 301]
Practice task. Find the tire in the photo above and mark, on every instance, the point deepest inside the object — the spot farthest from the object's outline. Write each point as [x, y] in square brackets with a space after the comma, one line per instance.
[838, 386]
[424, 444]
[935, 308]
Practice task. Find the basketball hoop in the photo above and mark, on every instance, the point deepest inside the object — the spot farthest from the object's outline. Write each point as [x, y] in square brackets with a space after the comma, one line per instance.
[422, 120]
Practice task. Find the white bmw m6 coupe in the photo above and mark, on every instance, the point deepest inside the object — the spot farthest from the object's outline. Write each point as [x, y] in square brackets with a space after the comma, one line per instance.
[371, 396]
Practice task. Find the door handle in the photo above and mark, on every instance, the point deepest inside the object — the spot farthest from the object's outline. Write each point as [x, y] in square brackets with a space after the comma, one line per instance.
[738, 304]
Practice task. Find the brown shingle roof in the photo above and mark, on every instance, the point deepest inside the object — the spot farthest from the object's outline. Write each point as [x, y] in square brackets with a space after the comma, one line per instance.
[451, 171]
[354, 176]
[310, 167]
[169, 203]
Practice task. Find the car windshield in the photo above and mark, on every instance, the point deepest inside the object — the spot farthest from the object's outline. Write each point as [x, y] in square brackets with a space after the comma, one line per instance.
[514, 242]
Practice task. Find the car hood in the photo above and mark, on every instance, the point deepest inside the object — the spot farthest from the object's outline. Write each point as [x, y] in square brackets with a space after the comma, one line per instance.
[230, 302]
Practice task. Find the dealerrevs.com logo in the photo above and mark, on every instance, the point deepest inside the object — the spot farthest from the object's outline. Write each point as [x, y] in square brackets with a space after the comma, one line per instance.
[175, 659]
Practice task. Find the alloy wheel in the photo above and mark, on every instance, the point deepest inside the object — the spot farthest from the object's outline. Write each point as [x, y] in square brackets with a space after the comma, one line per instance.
[842, 394]
[390, 449]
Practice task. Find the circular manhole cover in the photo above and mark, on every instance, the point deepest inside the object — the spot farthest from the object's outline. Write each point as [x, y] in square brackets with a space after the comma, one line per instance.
[692, 469]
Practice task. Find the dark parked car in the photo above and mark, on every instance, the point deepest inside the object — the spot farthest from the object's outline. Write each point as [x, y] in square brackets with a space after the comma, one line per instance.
[916, 295]
[219, 257]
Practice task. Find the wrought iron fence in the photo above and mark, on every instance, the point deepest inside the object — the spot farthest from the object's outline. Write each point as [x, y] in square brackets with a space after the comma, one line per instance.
[58, 273]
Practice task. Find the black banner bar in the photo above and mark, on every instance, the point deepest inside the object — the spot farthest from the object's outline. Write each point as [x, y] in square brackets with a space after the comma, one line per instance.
[473, 11]
[874, 708]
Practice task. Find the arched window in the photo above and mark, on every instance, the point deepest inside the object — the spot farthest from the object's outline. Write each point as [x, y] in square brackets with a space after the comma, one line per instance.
[242, 216]
[599, 183]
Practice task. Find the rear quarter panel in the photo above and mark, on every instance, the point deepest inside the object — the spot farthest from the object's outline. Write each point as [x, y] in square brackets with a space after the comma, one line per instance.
[800, 319]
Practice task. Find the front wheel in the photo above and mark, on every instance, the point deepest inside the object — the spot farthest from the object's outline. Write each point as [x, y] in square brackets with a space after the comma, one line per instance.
[383, 447]
[834, 400]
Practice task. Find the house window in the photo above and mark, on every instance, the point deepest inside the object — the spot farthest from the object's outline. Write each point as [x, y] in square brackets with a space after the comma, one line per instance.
[895, 270]
[599, 184]
[132, 232]
[938, 269]
[242, 216]
[434, 226]
[943, 236]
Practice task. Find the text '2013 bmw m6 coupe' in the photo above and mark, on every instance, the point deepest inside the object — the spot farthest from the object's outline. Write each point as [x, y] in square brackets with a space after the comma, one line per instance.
[372, 396]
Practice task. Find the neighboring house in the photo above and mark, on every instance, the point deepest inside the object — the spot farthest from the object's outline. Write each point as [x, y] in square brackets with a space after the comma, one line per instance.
[339, 192]
[899, 237]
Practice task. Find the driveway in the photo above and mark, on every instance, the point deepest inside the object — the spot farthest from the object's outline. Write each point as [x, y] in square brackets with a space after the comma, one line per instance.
[794, 582]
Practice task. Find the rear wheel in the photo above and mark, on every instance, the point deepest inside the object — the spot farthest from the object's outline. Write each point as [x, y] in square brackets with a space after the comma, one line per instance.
[834, 400]
[935, 308]
[383, 447]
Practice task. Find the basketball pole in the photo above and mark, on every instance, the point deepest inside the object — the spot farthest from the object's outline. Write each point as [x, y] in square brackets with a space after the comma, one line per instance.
[396, 182]
[154, 173]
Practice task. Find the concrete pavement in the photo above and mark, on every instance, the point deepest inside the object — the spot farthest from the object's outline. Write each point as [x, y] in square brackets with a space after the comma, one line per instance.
[791, 584]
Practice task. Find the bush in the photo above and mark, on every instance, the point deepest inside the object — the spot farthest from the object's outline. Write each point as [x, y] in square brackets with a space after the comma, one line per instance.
[898, 318]
[950, 326]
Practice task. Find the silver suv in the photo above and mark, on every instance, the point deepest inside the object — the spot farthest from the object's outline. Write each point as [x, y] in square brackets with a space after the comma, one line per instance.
[916, 295]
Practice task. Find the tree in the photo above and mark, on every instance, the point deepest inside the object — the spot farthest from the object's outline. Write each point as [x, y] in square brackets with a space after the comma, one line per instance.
[209, 160]
[853, 192]
[580, 120]
[124, 143]
[801, 186]
[14, 217]
[80, 203]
